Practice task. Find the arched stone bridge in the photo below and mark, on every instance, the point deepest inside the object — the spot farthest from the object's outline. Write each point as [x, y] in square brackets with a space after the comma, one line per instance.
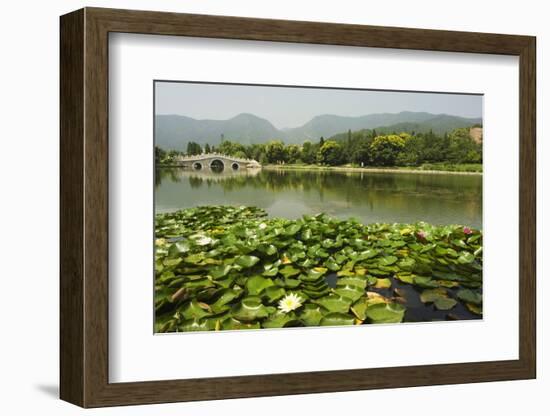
[216, 161]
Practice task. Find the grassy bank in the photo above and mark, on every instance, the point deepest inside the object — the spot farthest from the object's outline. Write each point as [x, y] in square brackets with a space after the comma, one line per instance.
[225, 267]
[437, 168]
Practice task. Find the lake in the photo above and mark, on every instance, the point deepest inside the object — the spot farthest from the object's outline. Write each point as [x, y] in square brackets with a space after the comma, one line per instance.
[368, 196]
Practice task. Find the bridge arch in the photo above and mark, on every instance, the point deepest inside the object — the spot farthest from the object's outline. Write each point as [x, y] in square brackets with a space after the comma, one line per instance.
[235, 166]
[197, 165]
[217, 164]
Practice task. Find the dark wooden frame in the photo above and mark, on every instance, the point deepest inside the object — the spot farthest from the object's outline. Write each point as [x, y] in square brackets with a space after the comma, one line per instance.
[84, 207]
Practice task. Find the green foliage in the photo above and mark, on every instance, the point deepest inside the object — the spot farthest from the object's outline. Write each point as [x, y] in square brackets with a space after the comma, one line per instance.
[225, 267]
[455, 151]
[330, 153]
[275, 152]
[163, 157]
[385, 149]
[194, 148]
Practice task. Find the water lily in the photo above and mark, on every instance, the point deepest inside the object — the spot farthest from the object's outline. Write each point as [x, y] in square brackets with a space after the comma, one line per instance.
[467, 230]
[421, 235]
[201, 239]
[290, 302]
[262, 226]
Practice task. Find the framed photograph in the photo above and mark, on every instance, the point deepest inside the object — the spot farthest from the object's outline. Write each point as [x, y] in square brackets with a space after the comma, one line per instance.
[255, 207]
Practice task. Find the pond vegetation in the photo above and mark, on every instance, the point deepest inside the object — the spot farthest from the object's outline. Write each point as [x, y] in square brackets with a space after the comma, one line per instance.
[224, 267]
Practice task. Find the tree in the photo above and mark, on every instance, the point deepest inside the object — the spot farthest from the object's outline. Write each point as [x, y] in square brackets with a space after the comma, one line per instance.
[207, 148]
[263, 159]
[330, 153]
[160, 155]
[321, 141]
[308, 152]
[386, 148]
[230, 148]
[240, 154]
[275, 152]
[194, 148]
[293, 152]
[361, 153]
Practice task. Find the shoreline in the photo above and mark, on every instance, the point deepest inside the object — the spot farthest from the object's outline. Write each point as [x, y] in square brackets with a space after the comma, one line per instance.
[367, 169]
[348, 169]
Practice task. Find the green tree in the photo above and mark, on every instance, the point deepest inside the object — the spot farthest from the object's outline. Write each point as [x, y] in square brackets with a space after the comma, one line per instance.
[230, 148]
[207, 148]
[194, 148]
[361, 154]
[330, 153]
[293, 152]
[308, 152]
[263, 159]
[275, 152]
[160, 155]
[385, 149]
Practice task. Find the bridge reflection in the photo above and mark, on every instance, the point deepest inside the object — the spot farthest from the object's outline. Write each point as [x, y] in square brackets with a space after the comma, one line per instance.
[178, 174]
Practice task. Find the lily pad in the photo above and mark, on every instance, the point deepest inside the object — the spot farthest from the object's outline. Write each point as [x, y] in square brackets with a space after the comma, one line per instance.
[280, 320]
[311, 314]
[289, 271]
[256, 284]
[337, 319]
[469, 296]
[384, 313]
[250, 309]
[444, 303]
[334, 303]
[383, 283]
[247, 261]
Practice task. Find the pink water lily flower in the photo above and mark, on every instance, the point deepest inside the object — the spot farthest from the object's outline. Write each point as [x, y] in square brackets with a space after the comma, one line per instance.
[421, 235]
[467, 231]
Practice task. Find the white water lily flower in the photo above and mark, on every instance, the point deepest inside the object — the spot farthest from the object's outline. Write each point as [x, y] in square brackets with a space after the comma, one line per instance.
[262, 226]
[290, 302]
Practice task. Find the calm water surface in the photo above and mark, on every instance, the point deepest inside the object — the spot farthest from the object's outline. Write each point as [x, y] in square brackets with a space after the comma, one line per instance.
[369, 197]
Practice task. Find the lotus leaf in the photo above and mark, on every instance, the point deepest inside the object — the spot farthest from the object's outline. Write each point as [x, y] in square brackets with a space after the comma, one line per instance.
[227, 296]
[469, 296]
[350, 292]
[466, 257]
[195, 309]
[359, 282]
[289, 271]
[232, 323]
[220, 271]
[311, 314]
[383, 283]
[384, 313]
[226, 267]
[337, 319]
[256, 284]
[250, 309]
[430, 295]
[474, 308]
[281, 320]
[246, 261]
[334, 303]
[193, 325]
[359, 309]
[424, 282]
[273, 293]
[444, 303]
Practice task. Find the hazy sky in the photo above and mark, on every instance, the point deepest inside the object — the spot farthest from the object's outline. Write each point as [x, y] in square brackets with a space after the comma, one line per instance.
[292, 107]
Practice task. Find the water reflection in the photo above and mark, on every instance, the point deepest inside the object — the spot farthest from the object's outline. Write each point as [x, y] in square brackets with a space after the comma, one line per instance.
[370, 197]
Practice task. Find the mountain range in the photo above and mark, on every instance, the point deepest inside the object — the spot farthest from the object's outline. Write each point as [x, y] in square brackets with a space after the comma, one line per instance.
[175, 131]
